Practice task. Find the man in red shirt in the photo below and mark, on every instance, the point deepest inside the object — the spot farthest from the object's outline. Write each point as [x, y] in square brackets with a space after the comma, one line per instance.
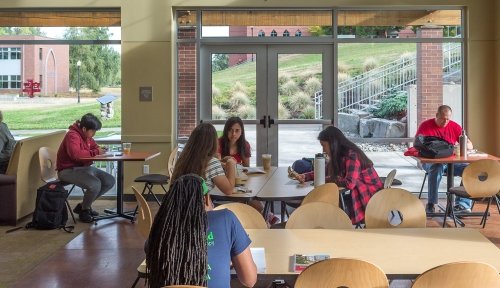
[443, 127]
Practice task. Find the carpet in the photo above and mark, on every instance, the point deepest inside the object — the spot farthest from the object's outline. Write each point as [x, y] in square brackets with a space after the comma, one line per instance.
[22, 250]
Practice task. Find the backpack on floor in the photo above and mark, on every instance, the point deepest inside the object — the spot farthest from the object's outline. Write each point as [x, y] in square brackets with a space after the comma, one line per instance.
[50, 208]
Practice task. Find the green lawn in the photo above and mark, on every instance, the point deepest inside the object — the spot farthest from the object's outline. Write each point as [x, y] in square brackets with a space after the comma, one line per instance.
[58, 117]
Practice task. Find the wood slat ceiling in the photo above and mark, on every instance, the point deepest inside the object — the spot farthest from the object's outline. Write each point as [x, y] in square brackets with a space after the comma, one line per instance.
[324, 18]
[94, 18]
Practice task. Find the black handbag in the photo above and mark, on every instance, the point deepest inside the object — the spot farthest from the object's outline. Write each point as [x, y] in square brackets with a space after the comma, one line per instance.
[433, 147]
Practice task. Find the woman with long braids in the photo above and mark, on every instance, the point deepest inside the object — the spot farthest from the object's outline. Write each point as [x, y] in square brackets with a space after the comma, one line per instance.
[190, 244]
[348, 167]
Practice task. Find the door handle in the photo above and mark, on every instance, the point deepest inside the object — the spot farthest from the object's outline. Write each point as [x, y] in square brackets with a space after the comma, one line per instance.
[263, 121]
[270, 120]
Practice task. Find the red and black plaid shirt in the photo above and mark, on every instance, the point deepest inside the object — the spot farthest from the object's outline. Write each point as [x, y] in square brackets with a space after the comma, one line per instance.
[362, 183]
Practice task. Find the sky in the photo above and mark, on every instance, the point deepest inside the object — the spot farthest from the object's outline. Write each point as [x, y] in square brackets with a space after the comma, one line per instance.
[58, 32]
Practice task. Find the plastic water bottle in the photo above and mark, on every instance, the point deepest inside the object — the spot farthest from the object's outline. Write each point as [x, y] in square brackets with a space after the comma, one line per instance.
[319, 169]
[462, 140]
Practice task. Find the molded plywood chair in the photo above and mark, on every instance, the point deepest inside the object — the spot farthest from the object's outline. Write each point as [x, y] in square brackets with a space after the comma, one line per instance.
[342, 272]
[326, 193]
[248, 216]
[144, 222]
[48, 159]
[481, 179]
[318, 215]
[459, 275]
[390, 177]
[385, 202]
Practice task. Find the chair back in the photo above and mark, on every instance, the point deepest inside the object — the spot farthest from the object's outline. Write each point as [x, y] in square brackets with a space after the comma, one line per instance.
[459, 274]
[389, 178]
[48, 160]
[326, 193]
[171, 161]
[143, 216]
[318, 215]
[387, 203]
[342, 272]
[482, 178]
[248, 216]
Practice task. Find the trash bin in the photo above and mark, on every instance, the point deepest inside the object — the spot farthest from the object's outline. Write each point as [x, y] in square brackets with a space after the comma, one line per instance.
[107, 111]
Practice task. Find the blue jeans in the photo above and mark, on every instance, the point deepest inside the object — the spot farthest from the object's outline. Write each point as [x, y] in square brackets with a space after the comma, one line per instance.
[435, 173]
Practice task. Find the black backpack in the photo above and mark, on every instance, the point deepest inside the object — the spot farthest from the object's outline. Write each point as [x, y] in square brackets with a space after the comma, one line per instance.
[50, 209]
[433, 147]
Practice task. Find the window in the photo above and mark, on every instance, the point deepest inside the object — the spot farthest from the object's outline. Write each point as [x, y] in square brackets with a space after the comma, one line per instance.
[4, 53]
[15, 53]
[15, 81]
[4, 82]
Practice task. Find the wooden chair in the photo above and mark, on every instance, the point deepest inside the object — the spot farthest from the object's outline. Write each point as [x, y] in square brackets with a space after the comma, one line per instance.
[481, 179]
[248, 216]
[390, 177]
[326, 193]
[459, 275]
[144, 222]
[318, 215]
[342, 272]
[48, 160]
[386, 201]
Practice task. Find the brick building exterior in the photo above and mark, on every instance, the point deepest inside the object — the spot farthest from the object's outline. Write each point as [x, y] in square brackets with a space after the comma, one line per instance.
[46, 64]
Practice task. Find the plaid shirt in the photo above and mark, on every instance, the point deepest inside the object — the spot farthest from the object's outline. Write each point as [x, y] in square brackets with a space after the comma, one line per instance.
[362, 183]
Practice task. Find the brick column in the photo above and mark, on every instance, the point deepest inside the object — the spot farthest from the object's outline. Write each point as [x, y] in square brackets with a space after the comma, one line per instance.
[186, 84]
[429, 73]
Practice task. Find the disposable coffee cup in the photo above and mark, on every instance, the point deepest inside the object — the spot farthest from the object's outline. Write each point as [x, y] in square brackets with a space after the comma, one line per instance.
[266, 161]
[126, 147]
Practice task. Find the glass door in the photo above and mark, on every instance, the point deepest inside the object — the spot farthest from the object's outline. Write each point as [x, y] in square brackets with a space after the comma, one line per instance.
[284, 94]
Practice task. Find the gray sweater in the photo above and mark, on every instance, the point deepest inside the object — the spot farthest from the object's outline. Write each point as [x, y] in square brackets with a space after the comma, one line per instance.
[7, 143]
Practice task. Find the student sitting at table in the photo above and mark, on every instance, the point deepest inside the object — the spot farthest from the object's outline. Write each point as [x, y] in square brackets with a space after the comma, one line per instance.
[79, 143]
[189, 244]
[348, 167]
[199, 156]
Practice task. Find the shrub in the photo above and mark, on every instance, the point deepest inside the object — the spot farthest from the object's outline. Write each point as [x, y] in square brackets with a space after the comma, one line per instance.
[239, 87]
[313, 85]
[299, 101]
[308, 112]
[369, 64]
[215, 92]
[283, 112]
[238, 99]
[283, 78]
[393, 106]
[289, 88]
[341, 77]
[218, 113]
[246, 112]
[343, 68]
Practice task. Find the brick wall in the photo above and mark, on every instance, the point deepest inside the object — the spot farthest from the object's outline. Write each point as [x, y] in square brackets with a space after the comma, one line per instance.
[429, 73]
[186, 86]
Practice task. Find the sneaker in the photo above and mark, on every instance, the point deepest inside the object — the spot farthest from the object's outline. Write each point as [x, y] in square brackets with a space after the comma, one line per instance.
[429, 208]
[461, 209]
[86, 216]
[78, 210]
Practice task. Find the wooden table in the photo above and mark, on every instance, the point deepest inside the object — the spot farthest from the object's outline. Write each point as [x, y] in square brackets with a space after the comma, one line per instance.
[254, 184]
[132, 156]
[402, 253]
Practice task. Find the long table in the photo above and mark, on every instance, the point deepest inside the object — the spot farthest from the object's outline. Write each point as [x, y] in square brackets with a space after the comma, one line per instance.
[401, 253]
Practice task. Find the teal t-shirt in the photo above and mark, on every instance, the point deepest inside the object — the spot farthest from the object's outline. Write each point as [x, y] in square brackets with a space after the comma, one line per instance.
[226, 238]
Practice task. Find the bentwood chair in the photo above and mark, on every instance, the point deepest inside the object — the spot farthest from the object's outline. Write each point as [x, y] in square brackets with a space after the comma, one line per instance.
[384, 203]
[248, 216]
[48, 159]
[459, 275]
[144, 222]
[318, 215]
[481, 179]
[342, 272]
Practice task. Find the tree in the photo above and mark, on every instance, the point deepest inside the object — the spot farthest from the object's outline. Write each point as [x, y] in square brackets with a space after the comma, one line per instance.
[21, 31]
[100, 64]
[220, 62]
